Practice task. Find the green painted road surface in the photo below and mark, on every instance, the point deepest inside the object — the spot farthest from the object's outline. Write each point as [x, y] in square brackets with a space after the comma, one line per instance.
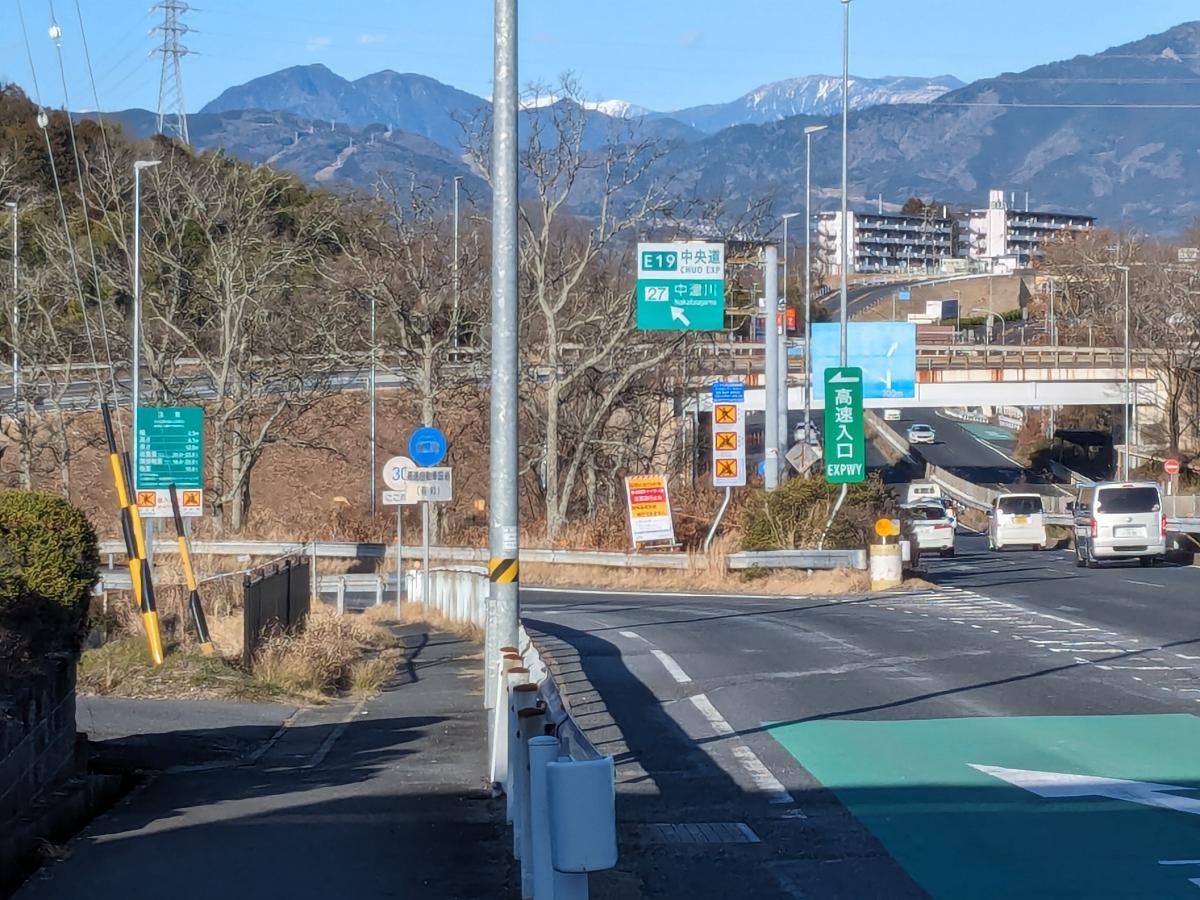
[1064, 806]
[989, 432]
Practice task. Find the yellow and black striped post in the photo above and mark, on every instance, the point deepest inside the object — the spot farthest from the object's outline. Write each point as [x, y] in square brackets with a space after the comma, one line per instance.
[185, 554]
[135, 551]
[504, 570]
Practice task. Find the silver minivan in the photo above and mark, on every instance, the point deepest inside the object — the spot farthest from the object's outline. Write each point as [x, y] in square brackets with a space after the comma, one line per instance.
[1017, 520]
[1119, 520]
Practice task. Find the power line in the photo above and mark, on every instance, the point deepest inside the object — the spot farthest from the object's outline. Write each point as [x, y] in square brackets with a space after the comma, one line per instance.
[170, 86]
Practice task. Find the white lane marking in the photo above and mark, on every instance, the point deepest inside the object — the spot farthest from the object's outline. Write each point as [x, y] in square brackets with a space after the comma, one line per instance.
[766, 782]
[633, 636]
[1064, 784]
[1071, 608]
[671, 666]
[332, 738]
[710, 712]
[1142, 583]
[1179, 862]
[1185, 656]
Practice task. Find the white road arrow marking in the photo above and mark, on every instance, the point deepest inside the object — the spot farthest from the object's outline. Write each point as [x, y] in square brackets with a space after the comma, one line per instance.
[842, 378]
[1061, 784]
[679, 315]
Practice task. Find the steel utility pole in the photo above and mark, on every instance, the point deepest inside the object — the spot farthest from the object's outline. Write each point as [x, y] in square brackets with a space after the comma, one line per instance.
[785, 435]
[771, 439]
[504, 611]
[136, 362]
[1128, 398]
[845, 172]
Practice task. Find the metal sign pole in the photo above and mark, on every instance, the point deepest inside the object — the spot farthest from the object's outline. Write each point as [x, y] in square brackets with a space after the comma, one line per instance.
[399, 556]
[772, 438]
[425, 552]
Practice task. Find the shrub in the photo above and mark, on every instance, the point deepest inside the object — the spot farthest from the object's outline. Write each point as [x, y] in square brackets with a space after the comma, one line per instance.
[48, 564]
[794, 516]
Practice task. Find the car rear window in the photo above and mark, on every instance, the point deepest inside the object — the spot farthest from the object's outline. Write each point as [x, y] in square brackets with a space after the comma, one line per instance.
[1128, 500]
[927, 512]
[1020, 506]
[921, 428]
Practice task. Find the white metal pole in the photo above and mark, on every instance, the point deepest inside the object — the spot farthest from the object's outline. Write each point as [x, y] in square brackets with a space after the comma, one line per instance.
[807, 285]
[845, 174]
[399, 556]
[1128, 398]
[136, 361]
[771, 311]
[16, 315]
[425, 547]
[371, 413]
[454, 319]
[779, 333]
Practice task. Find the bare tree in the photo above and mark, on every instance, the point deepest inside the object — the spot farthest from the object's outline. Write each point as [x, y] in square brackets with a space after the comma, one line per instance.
[235, 308]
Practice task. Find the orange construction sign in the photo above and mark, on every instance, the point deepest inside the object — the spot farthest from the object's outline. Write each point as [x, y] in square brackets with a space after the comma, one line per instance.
[147, 498]
[725, 440]
[725, 414]
[727, 468]
[190, 498]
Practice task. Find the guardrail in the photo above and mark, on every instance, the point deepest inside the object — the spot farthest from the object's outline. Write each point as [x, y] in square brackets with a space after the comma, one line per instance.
[799, 559]
[342, 550]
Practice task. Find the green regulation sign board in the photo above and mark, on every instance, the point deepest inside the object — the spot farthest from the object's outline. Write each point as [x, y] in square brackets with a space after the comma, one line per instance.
[845, 444]
[170, 447]
[681, 286]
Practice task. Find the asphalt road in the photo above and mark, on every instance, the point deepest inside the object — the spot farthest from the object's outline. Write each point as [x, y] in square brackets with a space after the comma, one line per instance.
[961, 452]
[1021, 729]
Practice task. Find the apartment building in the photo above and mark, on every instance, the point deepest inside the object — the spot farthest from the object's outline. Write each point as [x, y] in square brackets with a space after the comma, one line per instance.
[1001, 238]
[882, 242]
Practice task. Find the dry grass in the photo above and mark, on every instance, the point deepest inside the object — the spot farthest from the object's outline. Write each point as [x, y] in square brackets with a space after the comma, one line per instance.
[320, 660]
[332, 655]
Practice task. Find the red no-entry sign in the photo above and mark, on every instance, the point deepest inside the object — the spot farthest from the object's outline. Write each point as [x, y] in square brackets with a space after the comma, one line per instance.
[1171, 466]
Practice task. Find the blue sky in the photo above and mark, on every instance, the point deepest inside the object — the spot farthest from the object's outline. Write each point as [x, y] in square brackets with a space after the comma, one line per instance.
[663, 54]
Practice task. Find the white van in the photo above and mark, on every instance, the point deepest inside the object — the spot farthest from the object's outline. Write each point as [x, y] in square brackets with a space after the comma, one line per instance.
[1119, 520]
[922, 490]
[1017, 520]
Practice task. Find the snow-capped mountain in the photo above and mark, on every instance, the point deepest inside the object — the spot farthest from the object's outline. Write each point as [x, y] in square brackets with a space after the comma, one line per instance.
[813, 95]
[618, 109]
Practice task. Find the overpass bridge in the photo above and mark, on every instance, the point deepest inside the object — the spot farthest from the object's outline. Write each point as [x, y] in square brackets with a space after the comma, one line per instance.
[974, 375]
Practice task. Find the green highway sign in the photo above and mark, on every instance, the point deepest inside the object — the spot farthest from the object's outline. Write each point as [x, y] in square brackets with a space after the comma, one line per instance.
[170, 447]
[681, 287]
[845, 443]
[1036, 807]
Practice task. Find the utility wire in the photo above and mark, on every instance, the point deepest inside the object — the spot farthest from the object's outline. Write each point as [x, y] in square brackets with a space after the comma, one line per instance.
[56, 35]
[43, 123]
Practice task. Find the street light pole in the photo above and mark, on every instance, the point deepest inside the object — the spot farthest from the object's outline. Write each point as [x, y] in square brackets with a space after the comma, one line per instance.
[808, 371]
[16, 315]
[371, 412]
[845, 172]
[454, 320]
[771, 437]
[136, 361]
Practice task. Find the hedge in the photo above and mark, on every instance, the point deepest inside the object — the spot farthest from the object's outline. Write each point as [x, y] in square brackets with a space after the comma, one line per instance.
[49, 559]
[794, 516]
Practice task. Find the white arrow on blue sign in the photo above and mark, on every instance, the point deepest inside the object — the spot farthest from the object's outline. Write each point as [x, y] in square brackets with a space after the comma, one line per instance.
[427, 446]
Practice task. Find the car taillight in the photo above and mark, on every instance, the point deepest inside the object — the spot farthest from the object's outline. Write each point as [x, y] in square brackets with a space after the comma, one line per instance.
[1095, 528]
[1164, 524]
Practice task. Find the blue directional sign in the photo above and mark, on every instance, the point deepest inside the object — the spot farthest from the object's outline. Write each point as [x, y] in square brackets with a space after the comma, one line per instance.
[729, 392]
[885, 351]
[427, 446]
[903, 294]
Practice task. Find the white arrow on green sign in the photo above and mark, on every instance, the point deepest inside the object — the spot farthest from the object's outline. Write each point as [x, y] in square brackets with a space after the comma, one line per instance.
[681, 286]
[845, 444]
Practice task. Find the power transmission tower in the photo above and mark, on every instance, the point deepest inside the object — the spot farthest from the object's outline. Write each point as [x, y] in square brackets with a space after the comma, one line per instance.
[170, 87]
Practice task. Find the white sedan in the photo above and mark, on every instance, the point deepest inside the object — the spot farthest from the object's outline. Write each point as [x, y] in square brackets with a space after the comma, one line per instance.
[921, 434]
[932, 526]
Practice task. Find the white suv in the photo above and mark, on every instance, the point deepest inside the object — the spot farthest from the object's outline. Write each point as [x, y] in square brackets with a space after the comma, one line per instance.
[1119, 520]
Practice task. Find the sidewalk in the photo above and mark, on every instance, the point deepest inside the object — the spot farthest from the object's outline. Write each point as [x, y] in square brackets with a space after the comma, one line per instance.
[383, 799]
